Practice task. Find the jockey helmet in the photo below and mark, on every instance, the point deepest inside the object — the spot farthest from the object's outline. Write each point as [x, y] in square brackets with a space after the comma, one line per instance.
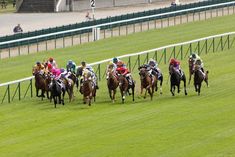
[172, 61]
[51, 59]
[49, 66]
[194, 55]
[70, 62]
[115, 60]
[83, 63]
[38, 63]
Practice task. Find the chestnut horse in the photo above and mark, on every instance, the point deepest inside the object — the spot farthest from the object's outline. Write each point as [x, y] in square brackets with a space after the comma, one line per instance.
[112, 83]
[147, 82]
[88, 90]
[41, 83]
[124, 87]
[176, 77]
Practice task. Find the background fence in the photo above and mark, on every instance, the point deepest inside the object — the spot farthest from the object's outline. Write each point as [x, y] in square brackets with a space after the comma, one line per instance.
[124, 27]
[24, 87]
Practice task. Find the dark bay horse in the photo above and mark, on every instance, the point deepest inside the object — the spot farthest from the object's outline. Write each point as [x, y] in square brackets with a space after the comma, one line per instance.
[112, 83]
[198, 78]
[176, 78]
[88, 90]
[41, 83]
[57, 91]
[147, 82]
[124, 87]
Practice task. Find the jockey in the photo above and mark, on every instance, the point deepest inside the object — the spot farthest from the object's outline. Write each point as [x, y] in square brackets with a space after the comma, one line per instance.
[54, 71]
[155, 69]
[38, 67]
[71, 66]
[197, 61]
[121, 69]
[52, 62]
[111, 67]
[115, 60]
[88, 69]
[176, 64]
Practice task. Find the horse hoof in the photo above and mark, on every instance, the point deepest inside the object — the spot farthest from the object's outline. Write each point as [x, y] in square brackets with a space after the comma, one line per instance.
[186, 93]
[84, 102]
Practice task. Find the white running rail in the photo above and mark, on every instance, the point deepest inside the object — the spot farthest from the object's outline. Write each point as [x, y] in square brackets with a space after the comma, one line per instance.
[117, 22]
[135, 54]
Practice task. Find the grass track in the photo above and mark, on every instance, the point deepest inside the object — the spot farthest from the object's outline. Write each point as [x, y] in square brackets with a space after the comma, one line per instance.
[168, 126]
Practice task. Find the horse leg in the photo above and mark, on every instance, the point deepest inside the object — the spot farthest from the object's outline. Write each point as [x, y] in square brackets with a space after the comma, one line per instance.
[110, 94]
[63, 93]
[185, 90]
[178, 88]
[114, 93]
[133, 93]
[172, 90]
[123, 96]
[150, 93]
[161, 81]
[55, 100]
[199, 89]
[206, 79]
[84, 99]
[37, 92]
[145, 92]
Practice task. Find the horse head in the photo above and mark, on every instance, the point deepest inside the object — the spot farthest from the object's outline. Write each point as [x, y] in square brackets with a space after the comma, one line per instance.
[143, 73]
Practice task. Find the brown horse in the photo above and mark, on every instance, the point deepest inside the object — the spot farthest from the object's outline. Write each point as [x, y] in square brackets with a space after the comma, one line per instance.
[41, 83]
[124, 87]
[88, 90]
[147, 82]
[198, 78]
[69, 84]
[112, 83]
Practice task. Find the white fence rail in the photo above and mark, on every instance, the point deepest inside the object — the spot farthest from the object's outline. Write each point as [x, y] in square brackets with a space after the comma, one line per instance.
[117, 22]
[136, 54]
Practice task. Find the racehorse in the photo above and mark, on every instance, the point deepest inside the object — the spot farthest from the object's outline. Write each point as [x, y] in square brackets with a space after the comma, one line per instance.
[112, 83]
[69, 84]
[41, 83]
[175, 80]
[74, 78]
[198, 78]
[57, 91]
[88, 90]
[124, 87]
[147, 82]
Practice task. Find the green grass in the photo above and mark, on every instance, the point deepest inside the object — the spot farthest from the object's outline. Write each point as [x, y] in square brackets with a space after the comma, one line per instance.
[180, 126]
[167, 126]
[108, 48]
